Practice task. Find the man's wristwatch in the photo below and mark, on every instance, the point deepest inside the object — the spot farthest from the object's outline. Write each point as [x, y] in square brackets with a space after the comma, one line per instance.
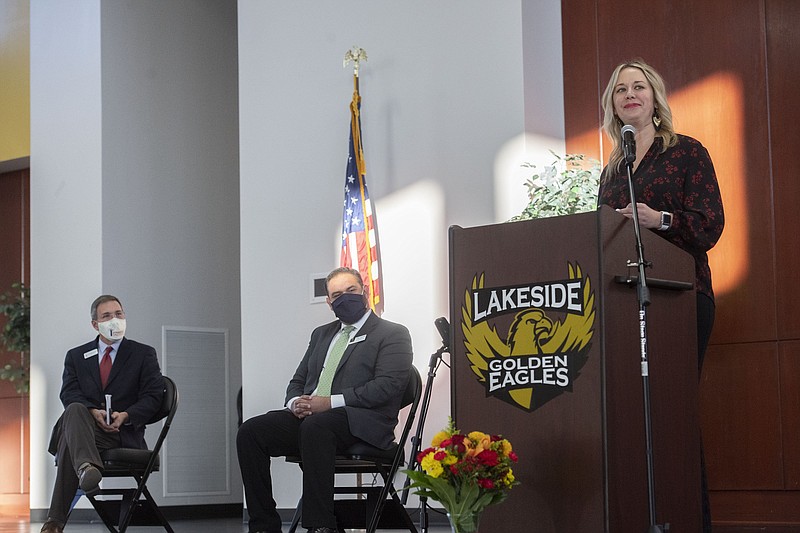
[666, 221]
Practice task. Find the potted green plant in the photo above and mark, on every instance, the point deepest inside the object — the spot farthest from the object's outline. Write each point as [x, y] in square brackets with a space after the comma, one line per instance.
[16, 335]
[567, 186]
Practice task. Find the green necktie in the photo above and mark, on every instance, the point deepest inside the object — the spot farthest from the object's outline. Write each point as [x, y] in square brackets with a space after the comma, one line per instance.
[326, 377]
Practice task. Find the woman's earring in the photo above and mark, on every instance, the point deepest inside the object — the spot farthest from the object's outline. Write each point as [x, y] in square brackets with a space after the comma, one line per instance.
[656, 120]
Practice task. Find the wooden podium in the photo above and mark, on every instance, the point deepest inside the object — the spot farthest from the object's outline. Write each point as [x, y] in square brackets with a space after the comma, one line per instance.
[545, 351]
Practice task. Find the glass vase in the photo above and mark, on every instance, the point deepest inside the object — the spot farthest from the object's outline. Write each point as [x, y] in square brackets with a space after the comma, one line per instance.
[466, 522]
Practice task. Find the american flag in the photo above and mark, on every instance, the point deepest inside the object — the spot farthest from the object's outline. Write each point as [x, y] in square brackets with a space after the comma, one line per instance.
[360, 248]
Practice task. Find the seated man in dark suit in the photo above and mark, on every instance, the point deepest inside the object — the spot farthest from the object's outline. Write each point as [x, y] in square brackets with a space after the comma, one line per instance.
[343, 391]
[111, 364]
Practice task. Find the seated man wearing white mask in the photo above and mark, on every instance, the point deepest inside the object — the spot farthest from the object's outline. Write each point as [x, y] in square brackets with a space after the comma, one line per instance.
[114, 365]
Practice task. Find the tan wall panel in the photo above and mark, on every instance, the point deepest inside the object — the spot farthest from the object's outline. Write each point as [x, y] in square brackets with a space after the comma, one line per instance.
[15, 75]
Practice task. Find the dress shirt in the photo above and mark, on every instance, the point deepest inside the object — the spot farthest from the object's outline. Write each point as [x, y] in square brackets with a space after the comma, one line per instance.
[101, 349]
[337, 400]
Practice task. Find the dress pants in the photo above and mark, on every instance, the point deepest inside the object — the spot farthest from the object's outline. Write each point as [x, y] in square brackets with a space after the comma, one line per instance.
[705, 323]
[80, 440]
[316, 439]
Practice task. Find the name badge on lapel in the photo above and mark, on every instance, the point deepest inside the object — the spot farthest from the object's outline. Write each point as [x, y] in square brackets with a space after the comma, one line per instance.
[90, 353]
[358, 339]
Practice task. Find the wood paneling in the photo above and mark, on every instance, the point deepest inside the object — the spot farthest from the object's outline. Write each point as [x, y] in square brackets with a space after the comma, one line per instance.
[13, 440]
[14, 258]
[733, 81]
[783, 75]
[740, 417]
[790, 421]
[14, 227]
[582, 91]
[756, 508]
[675, 32]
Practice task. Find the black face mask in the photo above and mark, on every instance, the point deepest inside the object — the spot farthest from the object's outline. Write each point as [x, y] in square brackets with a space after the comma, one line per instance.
[349, 307]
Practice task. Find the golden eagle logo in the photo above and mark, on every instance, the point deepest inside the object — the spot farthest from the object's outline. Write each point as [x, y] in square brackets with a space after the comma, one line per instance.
[541, 357]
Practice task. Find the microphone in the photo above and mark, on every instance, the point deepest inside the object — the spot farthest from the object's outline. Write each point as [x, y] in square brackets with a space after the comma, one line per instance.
[444, 330]
[629, 143]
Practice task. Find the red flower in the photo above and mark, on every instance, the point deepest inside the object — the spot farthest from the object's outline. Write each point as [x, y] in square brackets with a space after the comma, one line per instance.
[488, 458]
[458, 439]
[421, 455]
[513, 456]
[486, 483]
[440, 455]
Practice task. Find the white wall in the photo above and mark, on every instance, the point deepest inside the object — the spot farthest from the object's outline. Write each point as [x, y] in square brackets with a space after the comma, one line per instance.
[66, 206]
[134, 155]
[134, 168]
[443, 120]
[171, 187]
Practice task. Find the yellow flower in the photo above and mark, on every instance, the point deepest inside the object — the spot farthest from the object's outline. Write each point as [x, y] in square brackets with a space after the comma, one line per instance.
[439, 437]
[450, 459]
[506, 446]
[509, 479]
[477, 436]
[431, 466]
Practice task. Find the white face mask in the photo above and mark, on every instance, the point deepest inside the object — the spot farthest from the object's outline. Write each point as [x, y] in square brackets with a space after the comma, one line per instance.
[113, 329]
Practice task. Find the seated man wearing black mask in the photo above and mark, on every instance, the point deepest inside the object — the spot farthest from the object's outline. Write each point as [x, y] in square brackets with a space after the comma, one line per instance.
[348, 387]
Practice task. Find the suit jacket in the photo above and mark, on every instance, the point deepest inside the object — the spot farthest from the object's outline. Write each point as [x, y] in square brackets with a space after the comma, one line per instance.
[372, 375]
[135, 385]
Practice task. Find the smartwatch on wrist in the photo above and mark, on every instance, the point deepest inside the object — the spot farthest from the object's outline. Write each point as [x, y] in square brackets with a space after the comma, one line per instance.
[666, 221]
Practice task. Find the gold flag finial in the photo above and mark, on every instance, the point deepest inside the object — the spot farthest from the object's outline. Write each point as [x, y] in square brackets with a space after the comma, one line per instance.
[355, 54]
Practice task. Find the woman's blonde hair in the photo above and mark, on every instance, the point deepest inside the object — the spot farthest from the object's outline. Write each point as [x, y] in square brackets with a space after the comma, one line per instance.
[612, 124]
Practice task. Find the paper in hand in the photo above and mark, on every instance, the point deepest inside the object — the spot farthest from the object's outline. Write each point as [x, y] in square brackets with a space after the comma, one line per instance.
[108, 409]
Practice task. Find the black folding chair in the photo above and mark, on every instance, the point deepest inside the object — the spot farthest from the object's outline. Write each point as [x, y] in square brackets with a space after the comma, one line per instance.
[382, 507]
[135, 506]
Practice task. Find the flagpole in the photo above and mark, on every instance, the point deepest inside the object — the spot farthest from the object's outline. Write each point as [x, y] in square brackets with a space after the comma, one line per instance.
[364, 258]
[356, 55]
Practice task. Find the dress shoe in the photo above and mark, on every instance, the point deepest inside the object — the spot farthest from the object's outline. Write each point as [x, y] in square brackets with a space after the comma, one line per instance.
[52, 527]
[89, 477]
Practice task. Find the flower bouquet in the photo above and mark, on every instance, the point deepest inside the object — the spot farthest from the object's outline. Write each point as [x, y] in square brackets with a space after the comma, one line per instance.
[465, 473]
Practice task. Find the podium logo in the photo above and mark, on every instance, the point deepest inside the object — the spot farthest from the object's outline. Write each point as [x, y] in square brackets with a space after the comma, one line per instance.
[547, 344]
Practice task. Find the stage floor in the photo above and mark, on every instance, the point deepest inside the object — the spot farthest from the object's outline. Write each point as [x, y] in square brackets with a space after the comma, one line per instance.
[225, 525]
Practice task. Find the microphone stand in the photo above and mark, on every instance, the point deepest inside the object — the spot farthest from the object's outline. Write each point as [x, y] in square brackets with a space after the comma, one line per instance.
[643, 295]
[436, 359]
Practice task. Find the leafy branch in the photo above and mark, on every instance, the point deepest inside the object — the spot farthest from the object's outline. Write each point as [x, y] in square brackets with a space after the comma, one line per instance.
[16, 335]
[565, 187]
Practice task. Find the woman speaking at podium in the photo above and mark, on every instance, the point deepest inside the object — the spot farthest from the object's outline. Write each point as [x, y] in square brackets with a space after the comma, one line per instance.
[676, 189]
